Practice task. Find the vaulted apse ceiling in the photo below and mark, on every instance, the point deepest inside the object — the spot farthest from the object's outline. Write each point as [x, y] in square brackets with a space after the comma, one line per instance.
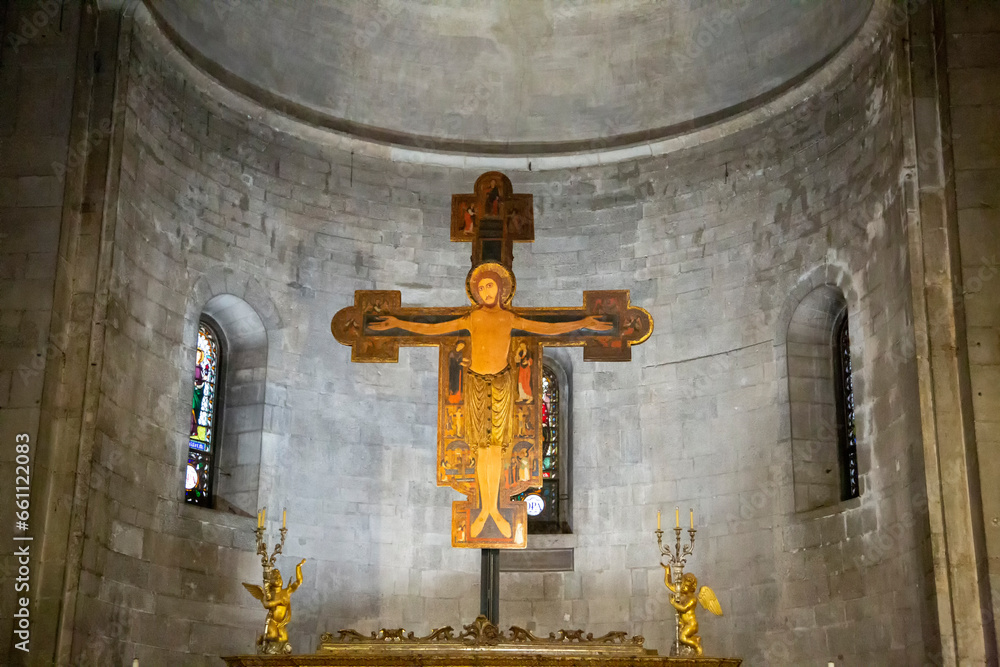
[510, 76]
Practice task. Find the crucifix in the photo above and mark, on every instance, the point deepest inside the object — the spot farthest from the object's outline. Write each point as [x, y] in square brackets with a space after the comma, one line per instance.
[490, 353]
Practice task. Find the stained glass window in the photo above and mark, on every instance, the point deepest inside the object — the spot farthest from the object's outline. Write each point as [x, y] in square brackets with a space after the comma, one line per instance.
[201, 440]
[850, 486]
[547, 520]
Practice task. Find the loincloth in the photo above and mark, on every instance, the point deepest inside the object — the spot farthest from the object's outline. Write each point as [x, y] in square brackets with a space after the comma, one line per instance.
[489, 408]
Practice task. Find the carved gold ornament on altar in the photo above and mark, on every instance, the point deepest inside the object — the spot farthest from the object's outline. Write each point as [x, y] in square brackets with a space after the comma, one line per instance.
[479, 644]
[490, 353]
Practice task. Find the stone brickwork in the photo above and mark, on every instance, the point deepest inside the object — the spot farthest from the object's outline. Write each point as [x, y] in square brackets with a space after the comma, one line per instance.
[37, 65]
[973, 47]
[714, 238]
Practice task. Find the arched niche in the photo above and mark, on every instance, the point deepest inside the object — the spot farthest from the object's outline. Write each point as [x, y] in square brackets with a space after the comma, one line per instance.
[812, 396]
[241, 404]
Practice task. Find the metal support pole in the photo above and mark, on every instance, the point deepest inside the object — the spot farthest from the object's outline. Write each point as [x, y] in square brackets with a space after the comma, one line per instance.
[489, 586]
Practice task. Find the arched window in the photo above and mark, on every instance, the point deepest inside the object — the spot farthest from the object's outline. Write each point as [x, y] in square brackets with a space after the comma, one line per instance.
[202, 439]
[554, 552]
[821, 397]
[550, 447]
[848, 441]
[554, 515]
[227, 406]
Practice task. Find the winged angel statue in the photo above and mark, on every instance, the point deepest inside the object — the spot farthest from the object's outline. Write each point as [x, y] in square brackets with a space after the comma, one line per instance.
[278, 602]
[685, 601]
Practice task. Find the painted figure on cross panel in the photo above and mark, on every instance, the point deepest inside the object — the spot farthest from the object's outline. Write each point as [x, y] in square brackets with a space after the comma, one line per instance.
[489, 381]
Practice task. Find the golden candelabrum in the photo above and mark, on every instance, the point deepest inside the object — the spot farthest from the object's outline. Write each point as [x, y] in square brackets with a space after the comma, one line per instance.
[276, 600]
[683, 587]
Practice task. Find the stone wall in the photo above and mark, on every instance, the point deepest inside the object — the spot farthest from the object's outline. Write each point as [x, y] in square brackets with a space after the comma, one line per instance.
[719, 237]
[973, 48]
[37, 65]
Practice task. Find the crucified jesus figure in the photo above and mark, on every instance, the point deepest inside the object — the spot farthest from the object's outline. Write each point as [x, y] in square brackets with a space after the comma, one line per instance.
[490, 381]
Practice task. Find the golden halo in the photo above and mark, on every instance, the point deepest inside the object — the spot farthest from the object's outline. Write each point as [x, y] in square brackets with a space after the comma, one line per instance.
[507, 283]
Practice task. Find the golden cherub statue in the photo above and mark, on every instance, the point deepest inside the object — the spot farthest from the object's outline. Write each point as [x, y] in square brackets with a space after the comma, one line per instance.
[685, 602]
[278, 602]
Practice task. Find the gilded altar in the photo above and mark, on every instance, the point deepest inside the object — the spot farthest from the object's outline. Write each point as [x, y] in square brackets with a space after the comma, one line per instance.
[478, 644]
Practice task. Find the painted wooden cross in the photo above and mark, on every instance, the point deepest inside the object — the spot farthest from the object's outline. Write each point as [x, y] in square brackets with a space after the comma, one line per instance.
[489, 384]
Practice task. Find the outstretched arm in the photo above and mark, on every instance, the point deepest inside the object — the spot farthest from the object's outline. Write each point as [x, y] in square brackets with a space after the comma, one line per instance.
[422, 328]
[591, 322]
[297, 581]
[668, 582]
